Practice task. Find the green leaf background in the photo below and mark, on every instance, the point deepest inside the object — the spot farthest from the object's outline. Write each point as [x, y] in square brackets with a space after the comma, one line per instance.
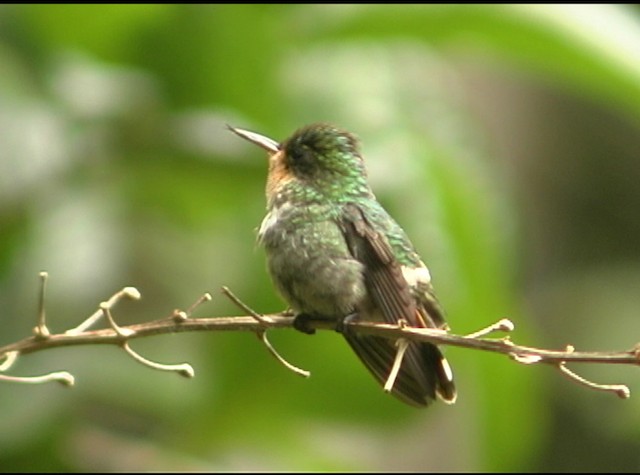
[504, 138]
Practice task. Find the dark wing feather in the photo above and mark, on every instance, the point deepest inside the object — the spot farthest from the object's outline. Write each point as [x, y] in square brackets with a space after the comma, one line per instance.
[422, 373]
[390, 291]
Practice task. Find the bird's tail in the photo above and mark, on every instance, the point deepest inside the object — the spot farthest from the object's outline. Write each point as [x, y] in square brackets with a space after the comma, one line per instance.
[424, 374]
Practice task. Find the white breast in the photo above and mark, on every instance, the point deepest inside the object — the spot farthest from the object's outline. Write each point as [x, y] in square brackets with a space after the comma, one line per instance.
[272, 218]
[268, 221]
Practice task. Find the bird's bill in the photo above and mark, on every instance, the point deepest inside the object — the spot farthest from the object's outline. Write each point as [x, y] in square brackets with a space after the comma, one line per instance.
[266, 143]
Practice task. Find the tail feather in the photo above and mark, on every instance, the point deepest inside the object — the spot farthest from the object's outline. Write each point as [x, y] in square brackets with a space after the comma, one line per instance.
[445, 387]
[424, 373]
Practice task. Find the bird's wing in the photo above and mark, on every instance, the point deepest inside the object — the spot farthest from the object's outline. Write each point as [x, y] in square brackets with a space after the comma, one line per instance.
[424, 371]
[383, 273]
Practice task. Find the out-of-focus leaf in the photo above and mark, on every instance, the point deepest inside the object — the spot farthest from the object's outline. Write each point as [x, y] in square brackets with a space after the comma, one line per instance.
[589, 48]
[103, 30]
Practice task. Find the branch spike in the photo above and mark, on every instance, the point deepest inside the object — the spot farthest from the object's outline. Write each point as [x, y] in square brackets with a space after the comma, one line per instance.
[206, 297]
[183, 369]
[123, 332]
[261, 318]
[503, 325]
[40, 330]
[526, 359]
[263, 337]
[61, 377]
[10, 358]
[179, 316]
[129, 292]
[402, 345]
[620, 390]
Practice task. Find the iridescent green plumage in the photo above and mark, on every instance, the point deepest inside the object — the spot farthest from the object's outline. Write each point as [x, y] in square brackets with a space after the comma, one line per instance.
[334, 252]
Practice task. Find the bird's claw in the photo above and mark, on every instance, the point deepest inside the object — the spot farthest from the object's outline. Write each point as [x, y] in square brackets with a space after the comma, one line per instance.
[301, 323]
[340, 323]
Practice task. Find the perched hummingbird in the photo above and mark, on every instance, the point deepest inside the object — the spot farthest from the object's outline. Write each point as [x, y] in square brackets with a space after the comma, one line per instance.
[333, 252]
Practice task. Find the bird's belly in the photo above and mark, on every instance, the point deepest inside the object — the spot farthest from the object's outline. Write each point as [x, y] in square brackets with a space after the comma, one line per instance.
[313, 269]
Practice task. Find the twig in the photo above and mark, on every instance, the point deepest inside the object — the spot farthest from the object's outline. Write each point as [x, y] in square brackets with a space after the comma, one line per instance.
[620, 390]
[243, 306]
[263, 336]
[181, 315]
[262, 332]
[402, 345]
[181, 321]
[504, 325]
[183, 369]
[61, 377]
[122, 334]
[127, 292]
[40, 330]
[9, 358]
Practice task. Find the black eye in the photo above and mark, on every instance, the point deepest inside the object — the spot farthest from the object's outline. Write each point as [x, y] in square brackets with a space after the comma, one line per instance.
[302, 159]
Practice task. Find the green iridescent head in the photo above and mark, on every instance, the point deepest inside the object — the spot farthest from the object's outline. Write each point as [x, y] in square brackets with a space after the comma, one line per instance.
[322, 149]
[317, 161]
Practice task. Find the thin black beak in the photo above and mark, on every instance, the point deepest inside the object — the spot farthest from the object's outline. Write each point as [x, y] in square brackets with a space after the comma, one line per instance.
[266, 143]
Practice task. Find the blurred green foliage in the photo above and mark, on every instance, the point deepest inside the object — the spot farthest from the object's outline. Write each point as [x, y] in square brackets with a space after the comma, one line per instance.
[504, 139]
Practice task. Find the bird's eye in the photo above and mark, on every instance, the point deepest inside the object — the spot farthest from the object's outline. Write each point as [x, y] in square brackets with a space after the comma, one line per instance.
[302, 154]
[302, 158]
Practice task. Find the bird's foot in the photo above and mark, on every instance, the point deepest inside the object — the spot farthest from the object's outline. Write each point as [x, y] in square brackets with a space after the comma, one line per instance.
[302, 321]
[340, 323]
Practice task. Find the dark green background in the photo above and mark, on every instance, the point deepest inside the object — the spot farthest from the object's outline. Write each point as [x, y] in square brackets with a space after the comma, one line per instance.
[504, 139]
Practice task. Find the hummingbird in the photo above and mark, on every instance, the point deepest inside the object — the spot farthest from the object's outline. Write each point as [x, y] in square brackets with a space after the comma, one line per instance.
[334, 253]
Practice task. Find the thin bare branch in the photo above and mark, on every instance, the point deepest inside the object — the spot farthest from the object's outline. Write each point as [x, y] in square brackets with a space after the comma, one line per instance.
[504, 325]
[9, 359]
[183, 369]
[41, 330]
[61, 377]
[180, 321]
[263, 337]
[262, 333]
[127, 292]
[243, 306]
[279, 321]
[502, 345]
[620, 390]
[206, 297]
[402, 345]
